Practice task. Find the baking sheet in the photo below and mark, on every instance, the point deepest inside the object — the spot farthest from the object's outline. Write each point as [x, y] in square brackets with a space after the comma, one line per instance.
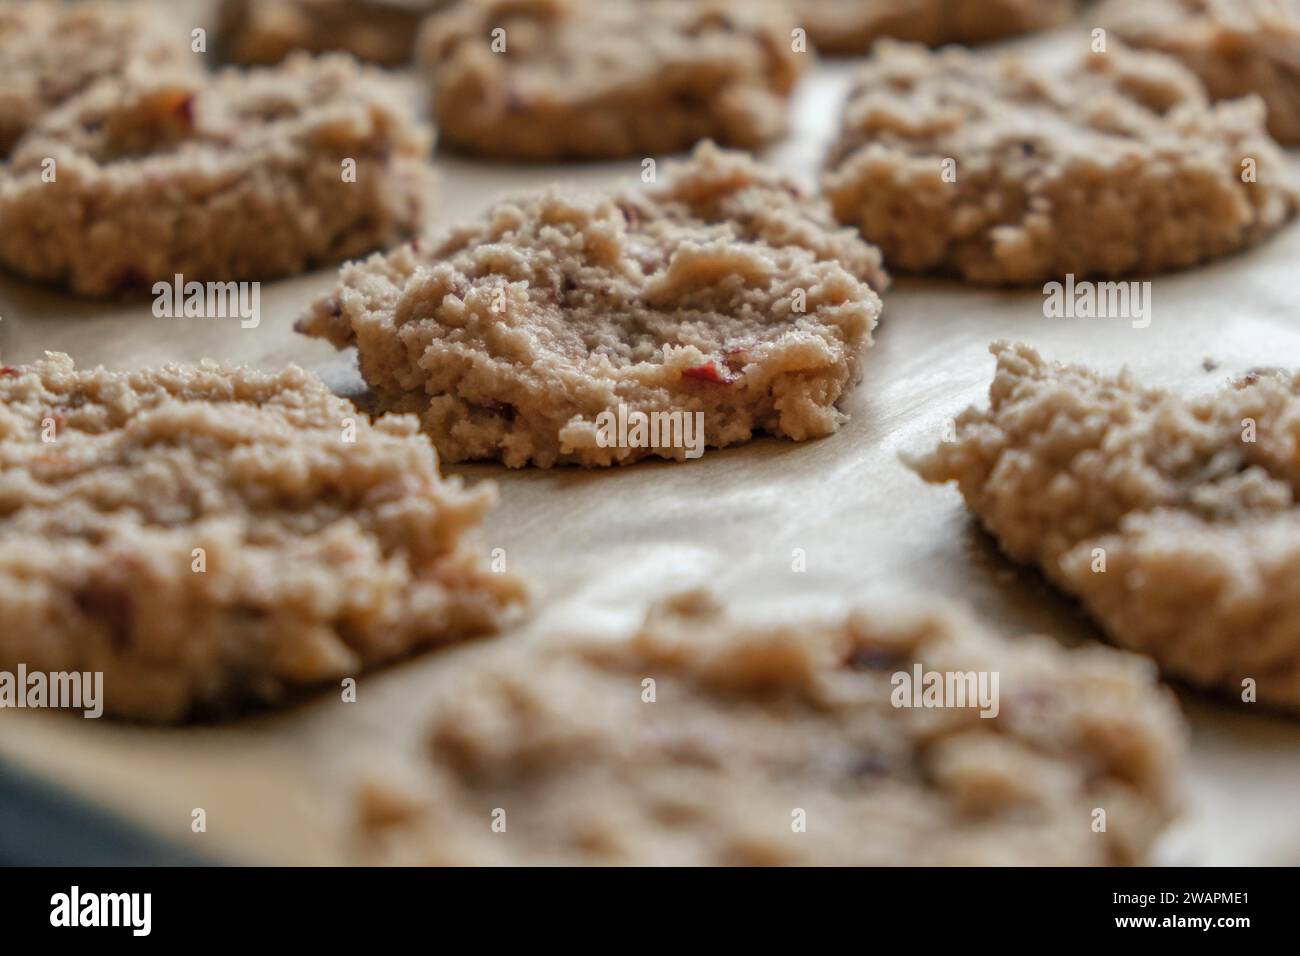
[600, 545]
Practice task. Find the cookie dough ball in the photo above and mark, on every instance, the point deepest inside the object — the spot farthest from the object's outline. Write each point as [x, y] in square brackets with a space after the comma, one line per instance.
[724, 296]
[206, 537]
[51, 50]
[239, 176]
[266, 31]
[851, 26]
[752, 726]
[1175, 521]
[545, 80]
[1000, 173]
[1236, 47]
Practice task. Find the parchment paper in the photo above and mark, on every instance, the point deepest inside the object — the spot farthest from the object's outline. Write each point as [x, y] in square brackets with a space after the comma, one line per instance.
[600, 545]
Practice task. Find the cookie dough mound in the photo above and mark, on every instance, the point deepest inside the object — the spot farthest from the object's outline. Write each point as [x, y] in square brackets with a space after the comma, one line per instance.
[266, 31]
[751, 727]
[522, 337]
[1175, 521]
[1236, 47]
[240, 176]
[1114, 167]
[587, 79]
[209, 537]
[51, 50]
[851, 26]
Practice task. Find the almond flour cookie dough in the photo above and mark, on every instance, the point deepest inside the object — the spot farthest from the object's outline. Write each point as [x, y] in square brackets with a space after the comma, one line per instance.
[50, 50]
[1190, 509]
[1113, 167]
[587, 79]
[1236, 47]
[266, 31]
[241, 175]
[851, 26]
[752, 729]
[724, 292]
[320, 556]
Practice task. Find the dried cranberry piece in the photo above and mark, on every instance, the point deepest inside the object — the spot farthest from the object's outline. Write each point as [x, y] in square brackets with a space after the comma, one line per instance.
[183, 108]
[709, 372]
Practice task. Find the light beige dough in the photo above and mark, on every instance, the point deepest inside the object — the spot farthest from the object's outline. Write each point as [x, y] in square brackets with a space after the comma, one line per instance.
[236, 176]
[851, 26]
[51, 50]
[590, 79]
[266, 31]
[1174, 521]
[782, 745]
[1236, 47]
[724, 290]
[1002, 174]
[207, 537]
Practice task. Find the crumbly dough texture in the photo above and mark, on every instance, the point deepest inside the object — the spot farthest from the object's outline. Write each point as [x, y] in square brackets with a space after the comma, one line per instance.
[266, 31]
[750, 724]
[1115, 166]
[587, 79]
[234, 176]
[724, 290]
[1197, 523]
[51, 50]
[321, 556]
[1236, 47]
[851, 26]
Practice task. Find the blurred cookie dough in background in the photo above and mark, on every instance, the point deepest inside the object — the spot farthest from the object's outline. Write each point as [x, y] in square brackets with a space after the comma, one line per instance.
[700, 740]
[235, 175]
[1236, 47]
[51, 50]
[999, 172]
[545, 80]
[851, 26]
[266, 31]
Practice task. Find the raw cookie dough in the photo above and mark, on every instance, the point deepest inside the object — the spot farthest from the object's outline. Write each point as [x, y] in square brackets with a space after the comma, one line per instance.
[750, 725]
[1236, 47]
[1113, 167]
[1190, 509]
[724, 291]
[266, 31]
[851, 26]
[50, 50]
[320, 557]
[240, 175]
[586, 79]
